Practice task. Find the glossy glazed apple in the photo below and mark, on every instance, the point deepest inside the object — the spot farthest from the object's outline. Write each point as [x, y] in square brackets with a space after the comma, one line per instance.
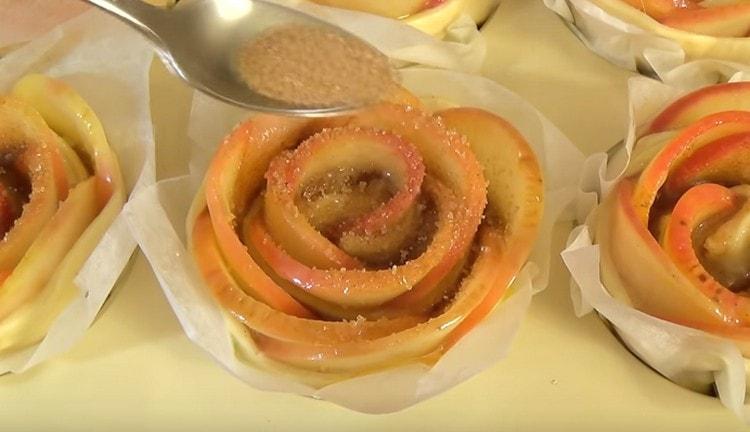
[413, 227]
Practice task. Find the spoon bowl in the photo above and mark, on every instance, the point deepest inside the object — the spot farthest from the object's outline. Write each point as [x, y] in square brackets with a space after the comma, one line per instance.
[198, 41]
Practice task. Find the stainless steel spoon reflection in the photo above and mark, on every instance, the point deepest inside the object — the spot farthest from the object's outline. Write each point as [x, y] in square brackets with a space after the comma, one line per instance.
[197, 39]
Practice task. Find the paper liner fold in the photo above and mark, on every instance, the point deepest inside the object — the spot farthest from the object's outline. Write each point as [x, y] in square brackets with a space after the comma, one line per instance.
[689, 357]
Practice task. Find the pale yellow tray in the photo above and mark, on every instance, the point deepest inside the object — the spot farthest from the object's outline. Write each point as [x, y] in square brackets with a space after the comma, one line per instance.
[136, 370]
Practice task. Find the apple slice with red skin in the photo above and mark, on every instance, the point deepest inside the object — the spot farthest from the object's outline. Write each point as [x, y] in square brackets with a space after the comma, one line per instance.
[692, 138]
[235, 174]
[724, 161]
[700, 103]
[659, 9]
[729, 21]
[263, 318]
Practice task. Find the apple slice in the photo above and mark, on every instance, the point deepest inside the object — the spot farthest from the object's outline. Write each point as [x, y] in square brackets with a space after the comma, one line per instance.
[688, 141]
[235, 174]
[700, 103]
[724, 161]
[50, 247]
[515, 192]
[653, 283]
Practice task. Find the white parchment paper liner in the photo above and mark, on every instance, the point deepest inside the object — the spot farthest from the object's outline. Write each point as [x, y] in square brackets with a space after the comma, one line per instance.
[157, 217]
[644, 44]
[108, 65]
[462, 48]
[689, 357]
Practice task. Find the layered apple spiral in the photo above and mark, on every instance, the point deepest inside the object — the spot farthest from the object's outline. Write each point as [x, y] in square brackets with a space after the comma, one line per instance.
[719, 18]
[60, 188]
[349, 244]
[675, 232]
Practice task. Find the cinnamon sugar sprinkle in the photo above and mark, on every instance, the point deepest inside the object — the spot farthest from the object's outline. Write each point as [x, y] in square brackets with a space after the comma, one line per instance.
[311, 66]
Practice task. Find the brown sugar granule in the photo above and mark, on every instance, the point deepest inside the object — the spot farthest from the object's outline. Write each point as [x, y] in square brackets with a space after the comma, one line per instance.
[311, 66]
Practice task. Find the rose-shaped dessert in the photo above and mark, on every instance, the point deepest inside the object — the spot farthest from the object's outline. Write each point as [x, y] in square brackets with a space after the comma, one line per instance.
[674, 231]
[60, 189]
[347, 245]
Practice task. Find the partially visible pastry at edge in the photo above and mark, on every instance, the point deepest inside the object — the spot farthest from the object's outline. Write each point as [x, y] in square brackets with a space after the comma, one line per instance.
[60, 189]
[708, 29]
[351, 244]
[387, 8]
[675, 231]
[428, 15]
[722, 18]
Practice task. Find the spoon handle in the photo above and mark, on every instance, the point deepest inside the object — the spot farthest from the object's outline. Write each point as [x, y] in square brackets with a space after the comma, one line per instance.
[142, 16]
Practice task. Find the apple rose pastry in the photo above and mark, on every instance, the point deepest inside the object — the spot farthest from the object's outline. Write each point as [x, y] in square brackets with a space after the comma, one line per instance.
[675, 231]
[349, 244]
[60, 188]
[703, 29]
[722, 18]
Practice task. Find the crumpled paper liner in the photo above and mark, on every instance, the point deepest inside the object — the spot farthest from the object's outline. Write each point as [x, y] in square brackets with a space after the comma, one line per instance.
[689, 357]
[157, 217]
[108, 65]
[462, 47]
[631, 39]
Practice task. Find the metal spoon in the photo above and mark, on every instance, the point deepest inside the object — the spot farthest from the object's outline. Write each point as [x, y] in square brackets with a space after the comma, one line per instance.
[197, 38]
